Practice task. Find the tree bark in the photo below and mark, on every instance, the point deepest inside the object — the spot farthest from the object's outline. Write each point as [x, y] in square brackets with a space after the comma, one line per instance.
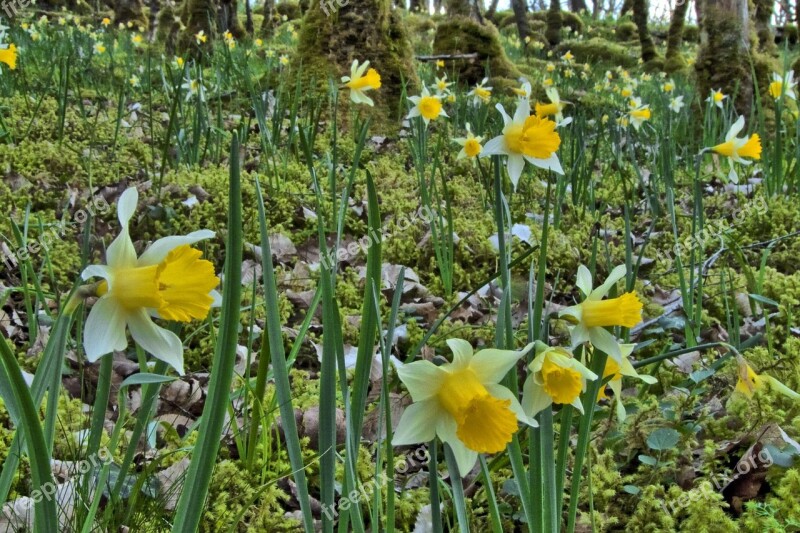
[248, 11]
[640, 12]
[493, 9]
[576, 6]
[415, 6]
[762, 17]
[723, 59]
[554, 23]
[521, 18]
[627, 5]
[675, 34]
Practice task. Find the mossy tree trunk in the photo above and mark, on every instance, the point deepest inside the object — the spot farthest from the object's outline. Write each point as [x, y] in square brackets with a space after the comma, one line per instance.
[228, 18]
[268, 24]
[492, 9]
[521, 18]
[554, 23]
[415, 6]
[197, 16]
[723, 59]
[627, 5]
[576, 6]
[640, 12]
[332, 35]
[129, 11]
[762, 16]
[675, 60]
[248, 11]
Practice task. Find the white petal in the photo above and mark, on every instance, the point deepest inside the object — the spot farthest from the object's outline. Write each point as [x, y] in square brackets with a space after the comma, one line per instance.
[126, 205]
[736, 127]
[578, 334]
[422, 379]
[523, 111]
[617, 274]
[157, 251]
[506, 118]
[578, 404]
[413, 113]
[217, 298]
[465, 458]
[462, 353]
[157, 341]
[491, 365]
[96, 271]
[551, 163]
[534, 398]
[584, 280]
[516, 163]
[606, 342]
[121, 253]
[502, 393]
[417, 423]
[104, 330]
[495, 146]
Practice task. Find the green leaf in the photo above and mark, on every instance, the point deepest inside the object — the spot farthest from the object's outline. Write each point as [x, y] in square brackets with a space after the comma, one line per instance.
[663, 439]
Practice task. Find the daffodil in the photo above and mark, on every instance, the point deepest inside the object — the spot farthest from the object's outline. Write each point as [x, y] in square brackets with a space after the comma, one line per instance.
[134, 81]
[361, 80]
[626, 92]
[480, 93]
[668, 86]
[548, 82]
[179, 62]
[443, 86]
[555, 376]
[639, 115]
[470, 145]
[106, 21]
[439, 63]
[200, 37]
[749, 382]
[716, 98]
[259, 43]
[568, 57]
[782, 85]
[550, 67]
[99, 48]
[137, 39]
[616, 371]
[462, 403]
[554, 108]
[283, 60]
[676, 104]
[525, 138]
[591, 317]
[426, 106]
[169, 281]
[524, 90]
[194, 88]
[739, 149]
[9, 56]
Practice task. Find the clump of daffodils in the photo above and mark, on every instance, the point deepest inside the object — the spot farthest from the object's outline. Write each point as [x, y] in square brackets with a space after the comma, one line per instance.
[739, 149]
[525, 138]
[462, 403]
[168, 281]
[360, 81]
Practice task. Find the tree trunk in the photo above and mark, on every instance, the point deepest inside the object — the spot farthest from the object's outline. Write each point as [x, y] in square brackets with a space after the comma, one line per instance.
[268, 24]
[554, 23]
[197, 15]
[129, 11]
[576, 6]
[521, 18]
[228, 19]
[797, 12]
[596, 7]
[762, 16]
[493, 9]
[627, 5]
[415, 6]
[675, 37]
[640, 12]
[248, 11]
[723, 59]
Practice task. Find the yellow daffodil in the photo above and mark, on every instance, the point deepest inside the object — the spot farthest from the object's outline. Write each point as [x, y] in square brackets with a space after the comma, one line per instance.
[548, 82]
[137, 39]
[604, 119]
[169, 280]
[554, 108]
[739, 149]
[200, 37]
[194, 88]
[259, 43]
[283, 60]
[594, 314]
[626, 92]
[568, 57]
[470, 145]
[179, 61]
[569, 73]
[9, 56]
[676, 104]
[439, 63]
[361, 80]
[480, 93]
[134, 81]
[555, 376]
[639, 115]
[525, 138]
[749, 382]
[617, 371]
[717, 98]
[106, 21]
[442, 86]
[462, 403]
[426, 106]
[782, 85]
[99, 48]
[524, 90]
[668, 86]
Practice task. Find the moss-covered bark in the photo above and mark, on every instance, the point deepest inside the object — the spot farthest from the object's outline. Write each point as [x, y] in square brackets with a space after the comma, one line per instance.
[197, 16]
[359, 29]
[228, 18]
[521, 18]
[269, 22]
[576, 6]
[130, 11]
[640, 12]
[723, 59]
[168, 28]
[675, 60]
[762, 15]
[554, 22]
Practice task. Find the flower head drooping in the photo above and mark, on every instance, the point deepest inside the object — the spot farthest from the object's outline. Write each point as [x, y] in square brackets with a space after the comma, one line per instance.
[524, 90]
[480, 93]
[525, 138]
[676, 104]
[361, 80]
[639, 114]
[200, 37]
[716, 98]
[462, 402]
[470, 145]
[168, 280]
[426, 106]
[8, 55]
[739, 149]
[617, 371]
[555, 377]
[554, 108]
[749, 382]
[782, 85]
[594, 314]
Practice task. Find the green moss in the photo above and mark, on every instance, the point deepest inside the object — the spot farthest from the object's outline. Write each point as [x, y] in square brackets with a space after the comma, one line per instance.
[598, 50]
[569, 19]
[650, 516]
[626, 31]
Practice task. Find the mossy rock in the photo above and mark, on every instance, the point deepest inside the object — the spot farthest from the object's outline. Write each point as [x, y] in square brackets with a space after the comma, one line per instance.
[568, 19]
[419, 24]
[290, 10]
[503, 19]
[462, 35]
[675, 63]
[360, 29]
[626, 31]
[597, 50]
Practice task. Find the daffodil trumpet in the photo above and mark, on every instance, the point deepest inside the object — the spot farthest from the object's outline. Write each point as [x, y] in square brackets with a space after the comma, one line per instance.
[555, 377]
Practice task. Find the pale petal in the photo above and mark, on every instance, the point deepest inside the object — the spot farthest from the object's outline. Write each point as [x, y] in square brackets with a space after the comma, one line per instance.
[551, 163]
[422, 379]
[515, 165]
[465, 458]
[491, 365]
[495, 146]
[578, 404]
[104, 331]
[217, 298]
[523, 111]
[579, 334]
[584, 280]
[617, 274]
[462, 353]
[157, 251]
[736, 127]
[157, 341]
[96, 271]
[417, 423]
[121, 253]
[534, 398]
[506, 118]
[502, 393]
[126, 205]
[606, 342]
